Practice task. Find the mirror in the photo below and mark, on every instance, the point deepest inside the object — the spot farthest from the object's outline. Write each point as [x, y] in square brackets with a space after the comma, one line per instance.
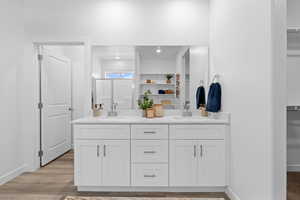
[170, 75]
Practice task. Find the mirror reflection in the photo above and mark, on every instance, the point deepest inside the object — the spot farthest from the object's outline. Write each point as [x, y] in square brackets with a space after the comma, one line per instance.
[123, 76]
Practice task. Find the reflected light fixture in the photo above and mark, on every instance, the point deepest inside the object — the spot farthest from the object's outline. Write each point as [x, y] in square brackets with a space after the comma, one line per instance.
[158, 50]
[117, 57]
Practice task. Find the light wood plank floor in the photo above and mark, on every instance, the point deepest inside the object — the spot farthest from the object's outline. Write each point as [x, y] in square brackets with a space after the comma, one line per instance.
[55, 181]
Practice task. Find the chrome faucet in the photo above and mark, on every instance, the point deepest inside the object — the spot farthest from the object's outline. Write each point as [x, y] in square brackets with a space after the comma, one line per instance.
[113, 112]
[186, 109]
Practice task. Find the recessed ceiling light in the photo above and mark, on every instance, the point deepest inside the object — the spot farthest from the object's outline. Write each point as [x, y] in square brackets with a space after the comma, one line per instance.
[117, 57]
[158, 50]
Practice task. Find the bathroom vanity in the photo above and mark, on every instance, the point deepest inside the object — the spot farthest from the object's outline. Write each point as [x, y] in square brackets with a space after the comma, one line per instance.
[131, 153]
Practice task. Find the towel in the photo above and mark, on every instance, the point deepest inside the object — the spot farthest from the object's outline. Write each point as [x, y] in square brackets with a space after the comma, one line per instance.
[200, 97]
[214, 98]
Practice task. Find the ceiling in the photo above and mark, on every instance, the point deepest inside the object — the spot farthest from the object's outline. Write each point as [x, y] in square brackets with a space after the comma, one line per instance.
[167, 52]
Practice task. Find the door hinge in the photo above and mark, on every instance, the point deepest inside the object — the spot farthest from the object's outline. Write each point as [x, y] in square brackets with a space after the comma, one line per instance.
[41, 153]
[40, 105]
[40, 57]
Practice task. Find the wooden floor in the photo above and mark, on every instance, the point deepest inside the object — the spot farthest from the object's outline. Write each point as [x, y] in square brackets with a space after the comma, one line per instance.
[293, 186]
[55, 181]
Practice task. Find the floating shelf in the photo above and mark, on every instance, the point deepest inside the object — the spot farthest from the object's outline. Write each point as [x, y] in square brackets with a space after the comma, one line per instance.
[168, 84]
[159, 95]
[293, 29]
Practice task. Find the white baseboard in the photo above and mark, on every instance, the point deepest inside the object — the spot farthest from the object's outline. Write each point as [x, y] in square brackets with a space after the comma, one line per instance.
[12, 174]
[149, 189]
[293, 168]
[232, 195]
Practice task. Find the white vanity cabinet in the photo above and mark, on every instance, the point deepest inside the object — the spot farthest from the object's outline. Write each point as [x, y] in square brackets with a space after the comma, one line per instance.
[150, 157]
[197, 155]
[102, 160]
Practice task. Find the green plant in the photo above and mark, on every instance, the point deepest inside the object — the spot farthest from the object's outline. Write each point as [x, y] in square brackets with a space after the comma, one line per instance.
[169, 76]
[145, 102]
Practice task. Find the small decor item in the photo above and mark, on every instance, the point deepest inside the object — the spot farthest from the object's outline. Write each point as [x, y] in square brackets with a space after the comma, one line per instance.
[158, 110]
[203, 111]
[169, 91]
[169, 77]
[97, 110]
[149, 81]
[166, 102]
[161, 92]
[145, 103]
[150, 113]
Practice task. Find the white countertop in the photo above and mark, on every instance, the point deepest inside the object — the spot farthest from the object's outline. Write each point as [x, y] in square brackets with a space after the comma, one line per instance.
[123, 119]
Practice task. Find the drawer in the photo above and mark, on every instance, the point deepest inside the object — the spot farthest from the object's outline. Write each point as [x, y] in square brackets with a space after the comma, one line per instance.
[205, 132]
[149, 151]
[149, 131]
[149, 175]
[102, 132]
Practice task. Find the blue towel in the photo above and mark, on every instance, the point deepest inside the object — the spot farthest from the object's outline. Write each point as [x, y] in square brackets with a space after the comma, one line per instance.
[214, 98]
[200, 97]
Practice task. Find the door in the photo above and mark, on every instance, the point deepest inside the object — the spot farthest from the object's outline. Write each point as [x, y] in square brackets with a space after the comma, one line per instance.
[212, 163]
[116, 163]
[56, 104]
[88, 163]
[183, 163]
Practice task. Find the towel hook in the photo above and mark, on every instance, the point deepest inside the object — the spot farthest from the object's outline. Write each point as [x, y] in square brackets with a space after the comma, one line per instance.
[216, 78]
[201, 83]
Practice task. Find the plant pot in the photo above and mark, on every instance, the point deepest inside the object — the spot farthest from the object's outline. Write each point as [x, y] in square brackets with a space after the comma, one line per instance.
[168, 81]
[150, 113]
[144, 113]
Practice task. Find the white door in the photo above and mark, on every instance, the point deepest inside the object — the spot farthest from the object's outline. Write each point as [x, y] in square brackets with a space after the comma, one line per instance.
[88, 163]
[183, 163]
[116, 163]
[56, 100]
[212, 163]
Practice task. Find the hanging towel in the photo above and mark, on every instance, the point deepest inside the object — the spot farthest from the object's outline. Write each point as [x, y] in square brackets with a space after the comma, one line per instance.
[200, 97]
[214, 98]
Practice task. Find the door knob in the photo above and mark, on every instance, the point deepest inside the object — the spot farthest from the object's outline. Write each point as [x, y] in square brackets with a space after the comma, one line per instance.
[70, 109]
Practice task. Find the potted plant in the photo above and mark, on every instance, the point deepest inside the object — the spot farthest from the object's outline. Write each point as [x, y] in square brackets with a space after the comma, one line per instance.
[145, 103]
[169, 77]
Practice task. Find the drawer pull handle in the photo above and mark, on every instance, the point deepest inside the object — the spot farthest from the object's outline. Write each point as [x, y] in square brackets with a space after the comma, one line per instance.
[201, 150]
[149, 176]
[98, 150]
[104, 150]
[149, 132]
[195, 151]
[149, 152]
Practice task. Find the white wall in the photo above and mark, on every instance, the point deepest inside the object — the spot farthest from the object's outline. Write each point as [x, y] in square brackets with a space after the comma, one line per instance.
[120, 22]
[132, 22]
[158, 66]
[11, 51]
[241, 52]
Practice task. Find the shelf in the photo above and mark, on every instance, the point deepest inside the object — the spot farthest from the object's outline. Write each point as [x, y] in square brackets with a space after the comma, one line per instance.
[159, 95]
[168, 84]
[293, 29]
[161, 74]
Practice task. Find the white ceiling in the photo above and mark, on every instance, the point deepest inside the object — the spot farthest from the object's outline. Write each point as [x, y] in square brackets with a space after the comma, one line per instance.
[167, 52]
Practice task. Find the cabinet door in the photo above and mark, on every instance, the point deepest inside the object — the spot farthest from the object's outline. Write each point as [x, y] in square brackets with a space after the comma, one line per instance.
[183, 163]
[116, 163]
[88, 163]
[212, 163]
